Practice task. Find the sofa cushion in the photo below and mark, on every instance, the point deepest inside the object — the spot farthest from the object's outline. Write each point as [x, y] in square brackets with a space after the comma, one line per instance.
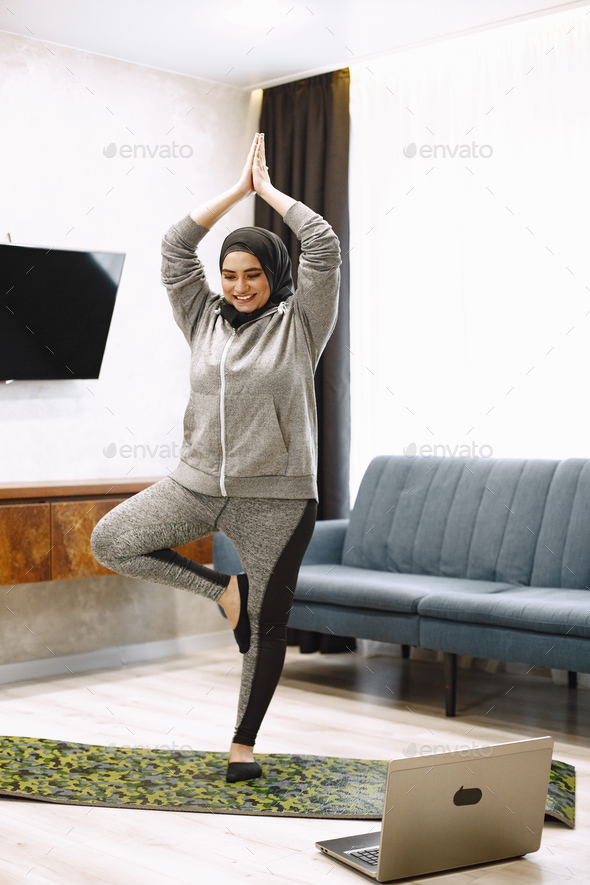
[452, 517]
[513, 520]
[539, 609]
[562, 554]
[376, 589]
[363, 623]
[505, 644]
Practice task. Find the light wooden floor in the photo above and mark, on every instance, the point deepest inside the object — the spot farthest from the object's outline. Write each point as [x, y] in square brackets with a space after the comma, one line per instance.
[338, 705]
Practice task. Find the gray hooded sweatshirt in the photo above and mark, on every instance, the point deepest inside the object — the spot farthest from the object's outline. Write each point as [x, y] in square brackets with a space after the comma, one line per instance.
[250, 427]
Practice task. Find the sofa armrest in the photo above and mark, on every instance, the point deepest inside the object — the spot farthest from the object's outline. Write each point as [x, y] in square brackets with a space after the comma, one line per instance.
[326, 542]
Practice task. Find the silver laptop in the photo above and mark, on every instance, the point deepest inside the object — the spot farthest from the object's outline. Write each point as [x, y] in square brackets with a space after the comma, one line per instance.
[455, 809]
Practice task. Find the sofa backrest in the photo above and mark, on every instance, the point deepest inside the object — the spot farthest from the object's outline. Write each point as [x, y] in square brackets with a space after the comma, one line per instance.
[523, 521]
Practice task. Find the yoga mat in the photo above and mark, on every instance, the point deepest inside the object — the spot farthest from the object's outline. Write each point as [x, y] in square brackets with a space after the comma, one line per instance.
[292, 785]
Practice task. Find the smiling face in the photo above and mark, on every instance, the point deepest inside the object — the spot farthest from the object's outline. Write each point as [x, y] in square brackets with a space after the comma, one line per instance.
[244, 283]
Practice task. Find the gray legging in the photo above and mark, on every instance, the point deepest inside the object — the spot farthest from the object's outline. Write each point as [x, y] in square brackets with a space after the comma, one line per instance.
[270, 536]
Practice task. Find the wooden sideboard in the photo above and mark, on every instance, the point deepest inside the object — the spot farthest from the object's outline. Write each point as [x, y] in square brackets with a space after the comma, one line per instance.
[45, 528]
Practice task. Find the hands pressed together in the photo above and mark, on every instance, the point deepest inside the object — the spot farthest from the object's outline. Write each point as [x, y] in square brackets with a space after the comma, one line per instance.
[253, 180]
[255, 177]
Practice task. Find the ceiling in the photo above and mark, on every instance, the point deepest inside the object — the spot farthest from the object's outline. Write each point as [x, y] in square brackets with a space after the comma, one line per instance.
[258, 43]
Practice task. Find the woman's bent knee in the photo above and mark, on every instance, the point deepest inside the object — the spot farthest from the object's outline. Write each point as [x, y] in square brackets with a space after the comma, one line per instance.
[102, 543]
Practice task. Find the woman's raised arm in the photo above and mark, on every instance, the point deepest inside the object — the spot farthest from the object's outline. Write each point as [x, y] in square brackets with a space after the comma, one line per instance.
[210, 212]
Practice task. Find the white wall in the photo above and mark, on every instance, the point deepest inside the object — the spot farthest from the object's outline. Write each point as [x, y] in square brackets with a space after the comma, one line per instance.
[60, 107]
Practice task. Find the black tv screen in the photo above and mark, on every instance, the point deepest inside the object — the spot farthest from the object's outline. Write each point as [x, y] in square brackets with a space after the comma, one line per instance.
[56, 311]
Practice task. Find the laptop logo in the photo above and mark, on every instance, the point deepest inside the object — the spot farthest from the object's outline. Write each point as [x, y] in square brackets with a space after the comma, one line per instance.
[467, 797]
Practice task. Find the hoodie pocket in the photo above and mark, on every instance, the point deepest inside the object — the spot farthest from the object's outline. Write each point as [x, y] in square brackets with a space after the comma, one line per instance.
[202, 432]
[253, 438]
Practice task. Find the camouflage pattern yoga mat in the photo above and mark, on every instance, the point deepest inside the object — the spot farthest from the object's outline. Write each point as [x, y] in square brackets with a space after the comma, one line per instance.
[561, 796]
[174, 780]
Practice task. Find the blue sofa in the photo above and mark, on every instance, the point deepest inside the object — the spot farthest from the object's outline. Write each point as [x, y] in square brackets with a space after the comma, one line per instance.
[471, 556]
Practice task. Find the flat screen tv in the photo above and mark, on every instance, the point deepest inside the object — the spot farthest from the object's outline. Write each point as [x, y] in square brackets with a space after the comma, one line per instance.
[56, 311]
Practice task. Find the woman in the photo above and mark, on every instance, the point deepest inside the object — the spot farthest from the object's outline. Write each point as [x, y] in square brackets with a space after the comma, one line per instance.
[249, 457]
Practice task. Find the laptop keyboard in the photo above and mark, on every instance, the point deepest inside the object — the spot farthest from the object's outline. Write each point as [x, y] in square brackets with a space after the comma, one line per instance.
[369, 855]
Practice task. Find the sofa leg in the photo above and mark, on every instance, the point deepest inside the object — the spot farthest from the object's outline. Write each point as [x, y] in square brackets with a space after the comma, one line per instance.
[572, 679]
[405, 651]
[450, 661]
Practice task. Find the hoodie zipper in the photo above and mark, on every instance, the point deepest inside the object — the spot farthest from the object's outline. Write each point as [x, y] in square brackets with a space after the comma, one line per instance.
[222, 400]
[222, 412]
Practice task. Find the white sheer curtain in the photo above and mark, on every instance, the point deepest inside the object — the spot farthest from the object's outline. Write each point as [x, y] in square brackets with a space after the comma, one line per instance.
[470, 297]
[470, 271]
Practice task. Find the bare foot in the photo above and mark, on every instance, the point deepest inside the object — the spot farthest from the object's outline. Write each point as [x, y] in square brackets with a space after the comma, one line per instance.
[230, 603]
[241, 753]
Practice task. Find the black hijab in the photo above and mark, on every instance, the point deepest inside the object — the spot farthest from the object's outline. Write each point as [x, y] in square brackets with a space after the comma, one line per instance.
[275, 261]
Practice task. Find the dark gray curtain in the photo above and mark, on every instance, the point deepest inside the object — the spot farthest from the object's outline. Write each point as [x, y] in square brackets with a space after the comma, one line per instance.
[306, 128]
